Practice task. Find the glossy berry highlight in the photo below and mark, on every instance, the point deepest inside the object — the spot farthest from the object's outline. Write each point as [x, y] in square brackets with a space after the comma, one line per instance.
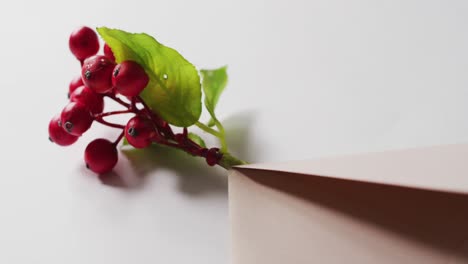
[93, 101]
[129, 78]
[83, 43]
[139, 132]
[76, 118]
[101, 156]
[96, 73]
[59, 136]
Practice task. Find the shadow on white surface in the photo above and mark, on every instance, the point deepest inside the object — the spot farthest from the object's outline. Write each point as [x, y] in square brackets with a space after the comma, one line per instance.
[239, 134]
[195, 176]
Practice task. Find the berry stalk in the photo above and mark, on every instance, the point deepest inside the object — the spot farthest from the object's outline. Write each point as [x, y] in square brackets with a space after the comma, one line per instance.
[164, 135]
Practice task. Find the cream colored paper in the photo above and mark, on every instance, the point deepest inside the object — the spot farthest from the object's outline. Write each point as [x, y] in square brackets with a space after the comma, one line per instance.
[407, 206]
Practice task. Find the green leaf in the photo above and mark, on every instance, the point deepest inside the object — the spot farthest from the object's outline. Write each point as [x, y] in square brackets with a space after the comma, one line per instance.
[174, 90]
[214, 82]
[125, 142]
[197, 139]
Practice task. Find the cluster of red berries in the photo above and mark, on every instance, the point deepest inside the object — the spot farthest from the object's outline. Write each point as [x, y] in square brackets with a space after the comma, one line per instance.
[102, 77]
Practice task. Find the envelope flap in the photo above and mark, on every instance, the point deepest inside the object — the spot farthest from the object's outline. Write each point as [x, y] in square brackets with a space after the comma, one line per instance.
[440, 168]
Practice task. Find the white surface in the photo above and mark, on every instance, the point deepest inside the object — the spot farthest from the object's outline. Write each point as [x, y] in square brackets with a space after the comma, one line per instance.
[307, 79]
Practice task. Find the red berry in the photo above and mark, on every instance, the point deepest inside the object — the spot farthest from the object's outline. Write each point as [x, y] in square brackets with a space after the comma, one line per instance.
[83, 43]
[58, 135]
[213, 156]
[129, 78]
[108, 52]
[100, 156]
[76, 118]
[86, 96]
[139, 131]
[75, 83]
[97, 73]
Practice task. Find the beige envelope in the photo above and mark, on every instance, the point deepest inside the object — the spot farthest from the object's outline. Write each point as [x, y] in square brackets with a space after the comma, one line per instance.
[408, 206]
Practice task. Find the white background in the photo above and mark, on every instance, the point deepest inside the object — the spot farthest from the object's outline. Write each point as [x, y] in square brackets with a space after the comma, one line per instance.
[307, 79]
